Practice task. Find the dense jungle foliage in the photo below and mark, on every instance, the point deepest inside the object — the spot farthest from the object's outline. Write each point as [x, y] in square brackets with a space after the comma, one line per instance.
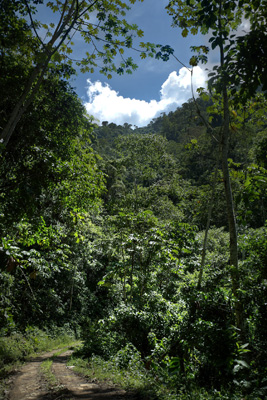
[121, 235]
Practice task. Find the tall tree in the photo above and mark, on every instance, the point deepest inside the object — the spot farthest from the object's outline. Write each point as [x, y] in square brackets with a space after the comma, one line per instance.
[50, 184]
[222, 18]
[100, 23]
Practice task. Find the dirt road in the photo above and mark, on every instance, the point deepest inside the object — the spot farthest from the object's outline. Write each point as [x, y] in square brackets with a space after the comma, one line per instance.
[29, 383]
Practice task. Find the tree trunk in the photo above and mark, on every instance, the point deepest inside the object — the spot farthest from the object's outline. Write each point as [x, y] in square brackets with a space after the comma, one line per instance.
[204, 249]
[26, 99]
[238, 307]
[231, 217]
[36, 78]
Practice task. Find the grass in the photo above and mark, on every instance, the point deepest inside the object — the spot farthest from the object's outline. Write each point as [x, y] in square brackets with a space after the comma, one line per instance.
[134, 380]
[143, 385]
[47, 374]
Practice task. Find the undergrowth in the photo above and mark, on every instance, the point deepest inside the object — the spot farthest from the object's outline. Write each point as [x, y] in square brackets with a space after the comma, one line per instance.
[139, 381]
[145, 384]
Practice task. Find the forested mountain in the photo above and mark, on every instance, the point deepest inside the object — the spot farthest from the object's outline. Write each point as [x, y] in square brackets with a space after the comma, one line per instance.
[121, 234]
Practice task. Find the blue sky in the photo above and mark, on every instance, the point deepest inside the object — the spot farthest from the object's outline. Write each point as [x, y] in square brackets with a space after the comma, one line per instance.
[156, 86]
[152, 18]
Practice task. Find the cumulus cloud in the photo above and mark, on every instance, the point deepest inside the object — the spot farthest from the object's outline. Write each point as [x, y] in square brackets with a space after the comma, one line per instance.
[105, 104]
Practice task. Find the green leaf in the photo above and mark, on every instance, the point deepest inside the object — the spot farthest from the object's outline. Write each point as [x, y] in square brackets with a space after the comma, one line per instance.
[243, 363]
[184, 32]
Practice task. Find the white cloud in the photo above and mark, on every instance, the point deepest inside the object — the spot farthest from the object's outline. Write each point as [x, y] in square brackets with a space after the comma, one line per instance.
[105, 104]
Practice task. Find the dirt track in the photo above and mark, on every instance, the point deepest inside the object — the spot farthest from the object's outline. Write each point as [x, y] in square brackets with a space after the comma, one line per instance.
[29, 384]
